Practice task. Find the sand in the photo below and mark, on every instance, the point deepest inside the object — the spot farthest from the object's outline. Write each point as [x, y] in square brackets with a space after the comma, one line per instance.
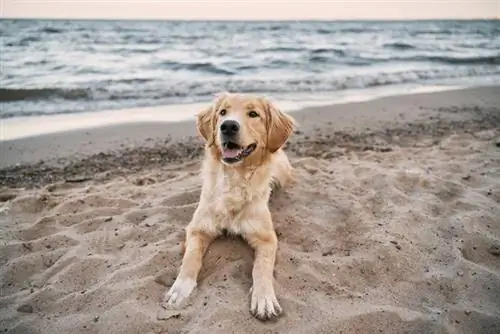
[391, 226]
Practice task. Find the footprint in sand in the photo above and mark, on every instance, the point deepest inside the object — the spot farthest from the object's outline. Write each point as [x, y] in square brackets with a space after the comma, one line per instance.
[183, 198]
[483, 251]
[33, 203]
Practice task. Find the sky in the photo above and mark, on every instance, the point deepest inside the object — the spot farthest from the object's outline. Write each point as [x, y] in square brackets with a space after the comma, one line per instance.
[251, 10]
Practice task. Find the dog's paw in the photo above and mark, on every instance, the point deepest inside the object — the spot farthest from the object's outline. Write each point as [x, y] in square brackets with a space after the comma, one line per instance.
[179, 292]
[264, 306]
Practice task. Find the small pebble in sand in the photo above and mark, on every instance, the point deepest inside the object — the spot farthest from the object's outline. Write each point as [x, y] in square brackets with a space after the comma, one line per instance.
[327, 252]
[108, 219]
[394, 242]
[25, 308]
[165, 315]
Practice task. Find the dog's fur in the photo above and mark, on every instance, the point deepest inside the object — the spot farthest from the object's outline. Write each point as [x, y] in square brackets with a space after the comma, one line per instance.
[234, 197]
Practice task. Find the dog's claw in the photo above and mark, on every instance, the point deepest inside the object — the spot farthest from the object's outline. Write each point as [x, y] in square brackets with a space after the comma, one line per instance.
[265, 306]
[180, 291]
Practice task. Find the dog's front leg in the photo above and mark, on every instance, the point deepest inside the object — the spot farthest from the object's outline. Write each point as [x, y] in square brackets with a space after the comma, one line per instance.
[197, 242]
[263, 304]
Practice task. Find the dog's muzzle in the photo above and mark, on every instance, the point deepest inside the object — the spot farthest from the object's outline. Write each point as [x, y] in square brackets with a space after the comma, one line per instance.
[232, 152]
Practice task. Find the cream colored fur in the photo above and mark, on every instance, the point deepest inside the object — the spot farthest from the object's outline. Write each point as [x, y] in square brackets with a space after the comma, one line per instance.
[234, 198]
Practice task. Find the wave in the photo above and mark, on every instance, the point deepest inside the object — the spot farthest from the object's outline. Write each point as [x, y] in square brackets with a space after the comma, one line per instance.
[10, 95]
[201, 66]
[323, 31]
[399, 46]
[192, 90]
[282, 49]
[487, 60]
[320, 55]
[358, 30]
[50, 30]
[141, 39]
[132, 49]
[328, 84]
[320, 59]
[276, 27]
[449, 60]
[337, 52]
[23, 41]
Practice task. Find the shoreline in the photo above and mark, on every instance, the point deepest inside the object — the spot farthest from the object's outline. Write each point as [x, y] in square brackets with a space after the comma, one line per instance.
[38, 125]
[380, 124]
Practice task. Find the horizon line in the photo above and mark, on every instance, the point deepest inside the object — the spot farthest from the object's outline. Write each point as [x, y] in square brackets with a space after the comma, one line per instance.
[494, 18]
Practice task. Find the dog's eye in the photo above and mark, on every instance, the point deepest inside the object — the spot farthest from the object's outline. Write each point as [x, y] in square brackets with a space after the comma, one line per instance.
[253, 114]
[222, 112]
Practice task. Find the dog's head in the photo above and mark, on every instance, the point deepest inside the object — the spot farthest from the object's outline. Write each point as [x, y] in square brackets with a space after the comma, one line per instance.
[240, 127]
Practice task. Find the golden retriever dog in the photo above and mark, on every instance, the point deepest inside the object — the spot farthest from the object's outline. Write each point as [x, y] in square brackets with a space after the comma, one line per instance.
[244, 161]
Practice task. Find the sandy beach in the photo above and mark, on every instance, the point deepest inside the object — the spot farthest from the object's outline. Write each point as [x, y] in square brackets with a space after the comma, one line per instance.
[391, 226]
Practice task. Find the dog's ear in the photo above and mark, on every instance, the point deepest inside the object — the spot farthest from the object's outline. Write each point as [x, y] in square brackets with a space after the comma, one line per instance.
[279, 127]
[205, 120]
[204, 123]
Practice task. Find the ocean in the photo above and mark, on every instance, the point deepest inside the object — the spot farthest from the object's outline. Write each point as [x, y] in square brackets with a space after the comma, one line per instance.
[65, 67]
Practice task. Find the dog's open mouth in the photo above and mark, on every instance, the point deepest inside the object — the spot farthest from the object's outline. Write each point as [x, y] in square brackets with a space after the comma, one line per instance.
[232, 152]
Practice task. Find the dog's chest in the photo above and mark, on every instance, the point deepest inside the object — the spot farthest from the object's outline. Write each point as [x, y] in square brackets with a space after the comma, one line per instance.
[231, 197]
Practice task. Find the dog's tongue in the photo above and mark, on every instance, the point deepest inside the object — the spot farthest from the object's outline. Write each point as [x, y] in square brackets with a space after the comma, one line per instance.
[230, 153]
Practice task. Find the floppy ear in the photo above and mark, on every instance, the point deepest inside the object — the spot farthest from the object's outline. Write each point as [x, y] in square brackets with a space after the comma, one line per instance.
[280, 127]
[205, 120]
[204, 123]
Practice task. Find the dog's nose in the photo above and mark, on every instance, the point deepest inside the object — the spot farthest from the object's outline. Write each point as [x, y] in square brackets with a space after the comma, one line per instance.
[229, 128]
